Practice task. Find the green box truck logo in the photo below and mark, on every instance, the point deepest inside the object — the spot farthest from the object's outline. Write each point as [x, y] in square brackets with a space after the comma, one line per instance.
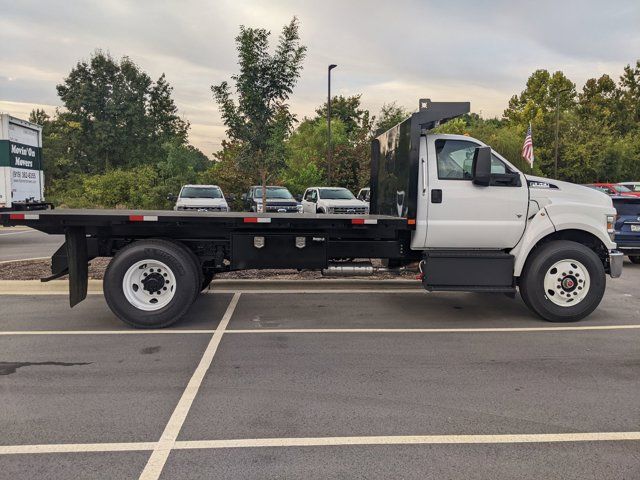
[23, 156]
[18, 155]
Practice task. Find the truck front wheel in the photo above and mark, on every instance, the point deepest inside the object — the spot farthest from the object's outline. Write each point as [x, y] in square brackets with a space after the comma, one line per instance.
[150, 283]
[563, 281]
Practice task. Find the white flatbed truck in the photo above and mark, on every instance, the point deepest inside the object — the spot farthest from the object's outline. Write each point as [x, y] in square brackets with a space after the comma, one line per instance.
[449, 204]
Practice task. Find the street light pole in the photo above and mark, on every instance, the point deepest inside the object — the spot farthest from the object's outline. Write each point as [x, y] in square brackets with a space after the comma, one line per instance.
[555, 169]
[329, 146]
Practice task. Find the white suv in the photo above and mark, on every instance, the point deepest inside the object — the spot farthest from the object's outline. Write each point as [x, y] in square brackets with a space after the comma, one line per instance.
[201, 198]
[332, 200]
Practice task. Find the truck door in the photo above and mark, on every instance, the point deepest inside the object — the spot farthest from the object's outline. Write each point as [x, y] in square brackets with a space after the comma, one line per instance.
[309, 201]
[461, 214]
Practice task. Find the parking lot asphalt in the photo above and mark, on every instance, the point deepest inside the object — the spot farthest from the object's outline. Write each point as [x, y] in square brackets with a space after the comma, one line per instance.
[23, 243]
[317, 384]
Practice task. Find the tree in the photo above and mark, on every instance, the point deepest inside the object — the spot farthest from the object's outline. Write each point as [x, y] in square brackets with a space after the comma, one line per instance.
[536, 104]
[227, 171]
[260, 119]
[390, 115]
[124, 116]
[60, 141]
[346, 109]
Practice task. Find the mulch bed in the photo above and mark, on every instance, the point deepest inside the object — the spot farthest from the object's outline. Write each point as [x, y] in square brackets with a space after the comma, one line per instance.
[37, 269]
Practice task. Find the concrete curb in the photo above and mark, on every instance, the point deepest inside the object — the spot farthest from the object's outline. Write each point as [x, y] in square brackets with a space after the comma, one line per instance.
[35, 287]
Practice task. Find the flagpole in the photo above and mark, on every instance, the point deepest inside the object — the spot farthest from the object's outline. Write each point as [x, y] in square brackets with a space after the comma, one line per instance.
[533, 155]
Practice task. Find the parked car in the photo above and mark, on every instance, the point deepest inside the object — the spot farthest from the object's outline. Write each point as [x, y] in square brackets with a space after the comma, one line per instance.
[332, 200]
[633, 186]
[612, 189]
[202, 198]
[365, 195]
[627, 226]
[279, 200]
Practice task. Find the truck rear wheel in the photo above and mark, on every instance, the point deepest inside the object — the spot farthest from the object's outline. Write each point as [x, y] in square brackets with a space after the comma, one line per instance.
[563, 281]
[150, 283]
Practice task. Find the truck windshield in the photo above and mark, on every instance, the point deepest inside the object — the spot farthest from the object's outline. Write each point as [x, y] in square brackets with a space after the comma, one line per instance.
[628, 206]
[336, 194]
[201, 192]
[274, 192]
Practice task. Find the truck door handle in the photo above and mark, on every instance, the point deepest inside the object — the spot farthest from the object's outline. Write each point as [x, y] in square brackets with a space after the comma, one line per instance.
[436, 195]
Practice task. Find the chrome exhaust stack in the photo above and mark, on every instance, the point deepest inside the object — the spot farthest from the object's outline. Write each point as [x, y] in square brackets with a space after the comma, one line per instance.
[360, 269]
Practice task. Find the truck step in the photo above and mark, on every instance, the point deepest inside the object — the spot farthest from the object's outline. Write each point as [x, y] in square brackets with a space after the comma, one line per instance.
[468, 270]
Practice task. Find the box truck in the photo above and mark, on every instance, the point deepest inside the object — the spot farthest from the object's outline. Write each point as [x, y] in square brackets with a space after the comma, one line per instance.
[21, 172]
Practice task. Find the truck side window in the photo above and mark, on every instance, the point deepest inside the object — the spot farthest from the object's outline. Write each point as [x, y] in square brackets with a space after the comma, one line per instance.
[498, 166]
[455, 159]
[314, 196]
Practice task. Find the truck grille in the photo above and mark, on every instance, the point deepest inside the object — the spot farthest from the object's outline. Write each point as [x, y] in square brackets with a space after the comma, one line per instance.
[204, 209]
[350, 210]
[286, 208]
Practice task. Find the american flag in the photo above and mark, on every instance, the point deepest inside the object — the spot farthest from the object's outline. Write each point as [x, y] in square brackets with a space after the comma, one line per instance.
[527, 148]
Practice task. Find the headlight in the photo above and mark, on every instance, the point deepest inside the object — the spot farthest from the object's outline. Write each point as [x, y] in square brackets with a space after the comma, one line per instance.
[300, 209]
[331, 209]
[611, 226]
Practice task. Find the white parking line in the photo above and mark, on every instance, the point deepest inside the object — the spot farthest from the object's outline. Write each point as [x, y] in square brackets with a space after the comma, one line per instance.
[320, 442]
[325, 330]
[438, 330]
[76, 448]
[410, 440]
[320, 290]
[103, 332]
[22, 259]
[98, 290]
[4, 234]
[158, 458]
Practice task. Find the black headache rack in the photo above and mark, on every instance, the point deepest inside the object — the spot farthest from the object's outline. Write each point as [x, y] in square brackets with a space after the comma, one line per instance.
[222, 241]
[395, 158]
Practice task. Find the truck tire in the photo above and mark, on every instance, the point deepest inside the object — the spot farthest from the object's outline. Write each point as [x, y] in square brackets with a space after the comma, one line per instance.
[196, 265]
[634, 258]
[150, 283]
[563, 281]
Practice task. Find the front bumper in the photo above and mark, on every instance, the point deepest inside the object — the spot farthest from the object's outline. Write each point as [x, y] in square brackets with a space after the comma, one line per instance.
[616, 260]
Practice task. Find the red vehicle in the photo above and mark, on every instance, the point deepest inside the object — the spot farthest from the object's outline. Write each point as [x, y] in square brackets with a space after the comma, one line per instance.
[614, 189]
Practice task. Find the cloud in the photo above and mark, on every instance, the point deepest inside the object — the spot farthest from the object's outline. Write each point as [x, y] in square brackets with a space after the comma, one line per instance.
[476, 50]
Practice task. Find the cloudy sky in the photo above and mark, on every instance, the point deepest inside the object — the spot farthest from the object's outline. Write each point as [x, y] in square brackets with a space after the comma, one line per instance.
[393, 50]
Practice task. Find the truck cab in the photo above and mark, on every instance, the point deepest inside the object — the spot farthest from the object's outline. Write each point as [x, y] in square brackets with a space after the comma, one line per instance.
[279, 200]
[201, 198]
[483, 225]
[332, 200]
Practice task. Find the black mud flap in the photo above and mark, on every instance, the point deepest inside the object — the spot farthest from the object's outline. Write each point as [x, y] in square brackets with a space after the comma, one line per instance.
[72, 258]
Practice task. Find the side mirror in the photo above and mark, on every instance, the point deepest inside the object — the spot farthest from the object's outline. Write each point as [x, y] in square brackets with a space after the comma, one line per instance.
[481, 167]
[244, 197]
[298, 197]
[171, 197]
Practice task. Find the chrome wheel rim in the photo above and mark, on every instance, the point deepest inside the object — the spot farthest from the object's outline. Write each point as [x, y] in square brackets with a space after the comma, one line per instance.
[149, 285]
[566, 283]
